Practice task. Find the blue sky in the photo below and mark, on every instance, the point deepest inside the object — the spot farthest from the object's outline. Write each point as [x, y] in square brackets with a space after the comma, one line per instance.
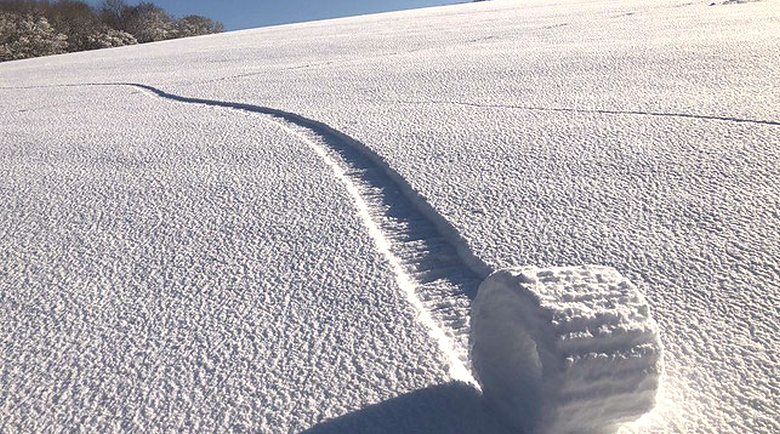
[244, 14]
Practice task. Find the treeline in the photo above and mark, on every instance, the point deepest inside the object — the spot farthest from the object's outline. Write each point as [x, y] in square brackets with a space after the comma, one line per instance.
[32, 28]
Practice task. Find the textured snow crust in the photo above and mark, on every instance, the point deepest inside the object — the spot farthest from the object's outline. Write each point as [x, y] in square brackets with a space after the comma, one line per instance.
[638, 135]
[565, 349]
[175, 267]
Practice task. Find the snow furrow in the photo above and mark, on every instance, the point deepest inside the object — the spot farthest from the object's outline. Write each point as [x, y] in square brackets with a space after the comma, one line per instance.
[489, 106]
[595, 111]
[393, 214]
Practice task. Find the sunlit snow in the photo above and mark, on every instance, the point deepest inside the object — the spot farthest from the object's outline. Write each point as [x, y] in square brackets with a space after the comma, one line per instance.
[284, 229]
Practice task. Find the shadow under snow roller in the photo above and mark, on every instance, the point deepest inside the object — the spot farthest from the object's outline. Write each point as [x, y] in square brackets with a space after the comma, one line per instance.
[565, 349]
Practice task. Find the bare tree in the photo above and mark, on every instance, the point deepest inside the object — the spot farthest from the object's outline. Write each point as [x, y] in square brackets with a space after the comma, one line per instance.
[75, 19]
[31, 28]
[107, 38]
[111, 13]
[148, 23]
[28, 35]
[195, 25]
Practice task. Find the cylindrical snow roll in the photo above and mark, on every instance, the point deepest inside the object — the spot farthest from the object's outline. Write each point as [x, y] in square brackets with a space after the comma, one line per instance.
[565, 349]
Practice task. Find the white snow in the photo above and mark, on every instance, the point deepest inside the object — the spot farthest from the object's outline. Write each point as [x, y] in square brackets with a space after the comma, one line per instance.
[565, 349]
[164, 275]
[181, 260]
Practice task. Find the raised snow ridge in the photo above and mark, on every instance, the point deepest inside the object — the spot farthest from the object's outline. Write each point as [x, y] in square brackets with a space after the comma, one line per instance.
[565, 349]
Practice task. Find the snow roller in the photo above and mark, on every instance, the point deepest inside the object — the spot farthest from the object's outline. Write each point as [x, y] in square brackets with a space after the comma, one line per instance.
[564, 349]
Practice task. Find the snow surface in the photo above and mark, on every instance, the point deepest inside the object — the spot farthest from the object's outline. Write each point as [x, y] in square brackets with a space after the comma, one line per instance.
[565, 349]
[204, 263]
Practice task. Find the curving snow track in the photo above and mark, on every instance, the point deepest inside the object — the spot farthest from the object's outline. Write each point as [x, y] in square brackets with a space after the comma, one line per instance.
[593, 111]
[432, 264]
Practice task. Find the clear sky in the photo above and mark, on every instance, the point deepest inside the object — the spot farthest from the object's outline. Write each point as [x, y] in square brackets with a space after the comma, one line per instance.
[245, 14]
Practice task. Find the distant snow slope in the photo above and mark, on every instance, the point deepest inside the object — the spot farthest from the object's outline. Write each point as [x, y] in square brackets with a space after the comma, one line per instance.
[642, 136]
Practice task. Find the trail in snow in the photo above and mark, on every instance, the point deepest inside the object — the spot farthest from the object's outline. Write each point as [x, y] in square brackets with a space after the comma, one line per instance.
[267, 110]
[594, 111]
[431, 263]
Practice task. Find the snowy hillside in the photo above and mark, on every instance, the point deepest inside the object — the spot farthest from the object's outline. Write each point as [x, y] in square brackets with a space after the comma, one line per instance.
[284, 229]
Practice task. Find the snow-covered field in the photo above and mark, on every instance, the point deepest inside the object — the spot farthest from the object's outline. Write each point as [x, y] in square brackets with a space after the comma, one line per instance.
[283, 229]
